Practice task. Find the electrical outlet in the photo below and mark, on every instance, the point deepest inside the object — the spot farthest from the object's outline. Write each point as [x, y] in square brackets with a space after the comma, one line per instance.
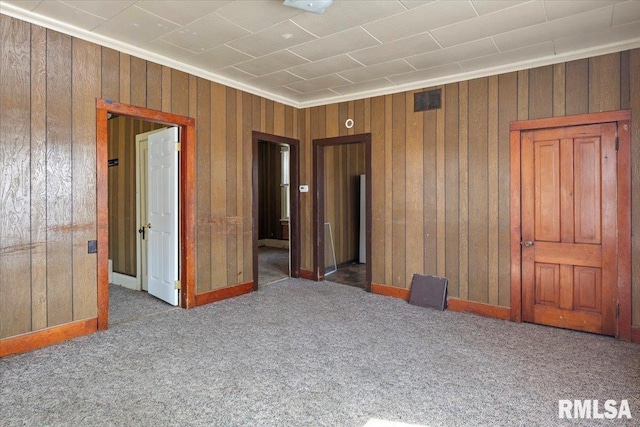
[92, 247]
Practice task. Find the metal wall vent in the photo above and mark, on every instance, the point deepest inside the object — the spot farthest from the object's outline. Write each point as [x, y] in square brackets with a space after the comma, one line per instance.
[429, 100]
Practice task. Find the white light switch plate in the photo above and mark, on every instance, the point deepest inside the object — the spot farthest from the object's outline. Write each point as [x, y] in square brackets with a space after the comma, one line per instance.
[304, 188]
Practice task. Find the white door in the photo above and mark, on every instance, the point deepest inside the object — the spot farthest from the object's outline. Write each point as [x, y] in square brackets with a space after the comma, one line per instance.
[162, 205]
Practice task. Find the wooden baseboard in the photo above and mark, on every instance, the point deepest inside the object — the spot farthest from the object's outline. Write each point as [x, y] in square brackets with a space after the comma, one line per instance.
[635, 335]
[224, 293]
[306, 274]
[487, 310]
[390, 291]
[44, 337]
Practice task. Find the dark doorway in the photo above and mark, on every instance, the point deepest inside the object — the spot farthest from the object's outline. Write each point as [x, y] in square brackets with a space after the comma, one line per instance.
[322, 232]
[280, 230]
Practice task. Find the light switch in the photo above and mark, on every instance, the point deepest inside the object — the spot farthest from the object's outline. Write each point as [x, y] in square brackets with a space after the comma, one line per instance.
[304, 188]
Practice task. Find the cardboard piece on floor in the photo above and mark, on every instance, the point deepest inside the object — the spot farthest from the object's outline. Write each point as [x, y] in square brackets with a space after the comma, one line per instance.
[429, 291]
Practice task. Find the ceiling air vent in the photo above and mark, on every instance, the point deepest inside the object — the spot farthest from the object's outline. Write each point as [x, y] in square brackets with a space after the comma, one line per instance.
[429, 100]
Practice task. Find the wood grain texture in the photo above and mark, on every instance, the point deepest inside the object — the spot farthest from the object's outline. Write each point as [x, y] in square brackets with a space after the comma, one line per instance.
[493, 233]
[44, 337]
[138, 82]
[154, 86]
[604, 83]
[15, 193]
[541, 96]
[420, 173]
[204, 188]
[634, 78]
[378, 195]
[577, 87]
[463, 190]
[85, 89]
[451, 162]
[125, 78]
[110, 77]
[59, 181]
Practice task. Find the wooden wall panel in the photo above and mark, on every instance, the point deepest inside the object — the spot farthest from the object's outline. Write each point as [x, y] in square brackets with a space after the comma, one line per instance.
[15, 195]
[49, 152]
[85, 89]
[59, 176]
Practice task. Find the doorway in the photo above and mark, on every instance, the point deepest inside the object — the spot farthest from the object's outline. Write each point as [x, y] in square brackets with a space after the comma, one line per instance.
[570, 223]
[339, 241]
[273, 152]
[183, 195]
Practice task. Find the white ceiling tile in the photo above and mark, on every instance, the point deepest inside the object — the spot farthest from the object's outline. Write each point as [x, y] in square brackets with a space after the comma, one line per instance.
[326, 94]
[275, 38]
[335, 44]
[377, 71]
[103, 9]
[24, 4]
[428, 74]
[611, 36]
[168, 50]
[522, 56]
[205, 33]
[489, 6]
[342, 15]
[257, 15]
[362, 87]
[181, 12]
[279, 78]
[331, 65]
[232, 73]
[397, 49]
[595, 20]
[271, 63]
[461, 52]
[411, 4]
[317, 84]
[69, 14]
[420, 20]
[491, 24]
[559, 9]
[134, 25]
[624, 13]
[218, 57]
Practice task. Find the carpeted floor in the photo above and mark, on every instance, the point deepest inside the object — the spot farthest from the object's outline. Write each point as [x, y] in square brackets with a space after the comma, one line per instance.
[301, 353]
[126, 305]
[273, 264]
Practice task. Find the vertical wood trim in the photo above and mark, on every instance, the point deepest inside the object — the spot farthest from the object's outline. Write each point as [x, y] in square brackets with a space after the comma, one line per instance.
[85, 89]
[219, 220]
[102, 217]
[416, 209]
[452, 189]
[247, 185]
[493, 191]
[463, 182]
[634, 78]
[38, 177]
[388, 188]
[559, 93]
[204, 187]
[624, 222]
[441, 244]
[398, 183]
[516, 252]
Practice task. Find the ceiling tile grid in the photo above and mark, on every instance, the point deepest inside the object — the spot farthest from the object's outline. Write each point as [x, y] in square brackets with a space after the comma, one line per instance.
[354, 49]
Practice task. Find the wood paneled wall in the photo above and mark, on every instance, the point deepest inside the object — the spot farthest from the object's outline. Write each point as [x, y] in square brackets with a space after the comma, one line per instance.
[343, 166]
[441, 178]
[49, 83]
[123, 233]
[269, 191]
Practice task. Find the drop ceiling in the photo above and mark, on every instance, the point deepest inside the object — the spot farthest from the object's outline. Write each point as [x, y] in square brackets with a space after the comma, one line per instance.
[355, 49]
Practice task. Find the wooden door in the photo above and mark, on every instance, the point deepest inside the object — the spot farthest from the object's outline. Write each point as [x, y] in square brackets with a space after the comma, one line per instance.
[569, 208]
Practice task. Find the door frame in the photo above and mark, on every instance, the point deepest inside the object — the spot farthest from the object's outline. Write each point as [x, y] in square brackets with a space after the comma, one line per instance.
[294, 199]
[186, 202]
[623, 216]
[319, 146]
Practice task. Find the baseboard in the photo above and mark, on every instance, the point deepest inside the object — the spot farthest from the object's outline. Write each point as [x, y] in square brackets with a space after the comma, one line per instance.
[224, 293]
[635, 335]
[125, 281]
[486, 310]
[45, 337]
[306, 274]
[274, 243]
[390, 291]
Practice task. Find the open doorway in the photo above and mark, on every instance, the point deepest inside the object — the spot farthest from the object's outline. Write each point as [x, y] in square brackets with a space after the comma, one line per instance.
[276, 236]
[342, 210]
[170, 185]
